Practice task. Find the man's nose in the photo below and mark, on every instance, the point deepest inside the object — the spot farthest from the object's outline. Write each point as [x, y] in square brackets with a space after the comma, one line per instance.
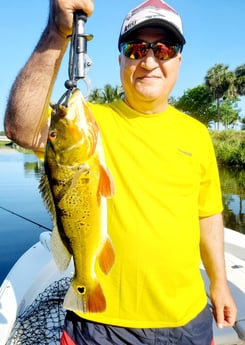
[149, 61]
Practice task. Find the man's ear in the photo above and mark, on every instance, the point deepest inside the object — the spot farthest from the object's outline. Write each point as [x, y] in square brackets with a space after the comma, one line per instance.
[180, 59]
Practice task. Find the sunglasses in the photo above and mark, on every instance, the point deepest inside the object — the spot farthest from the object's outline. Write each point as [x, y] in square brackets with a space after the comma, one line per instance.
[138, 49]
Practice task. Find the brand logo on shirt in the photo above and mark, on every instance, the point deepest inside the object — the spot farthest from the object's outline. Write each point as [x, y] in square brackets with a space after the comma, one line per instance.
[187, 153]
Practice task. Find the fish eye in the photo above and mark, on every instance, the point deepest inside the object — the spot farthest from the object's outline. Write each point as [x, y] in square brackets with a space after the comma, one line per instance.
[52, 135]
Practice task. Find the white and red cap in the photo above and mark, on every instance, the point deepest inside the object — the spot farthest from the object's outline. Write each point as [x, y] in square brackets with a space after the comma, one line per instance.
[155, 13]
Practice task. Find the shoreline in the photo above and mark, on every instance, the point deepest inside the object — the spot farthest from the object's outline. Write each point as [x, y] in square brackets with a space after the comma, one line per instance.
[7, 149]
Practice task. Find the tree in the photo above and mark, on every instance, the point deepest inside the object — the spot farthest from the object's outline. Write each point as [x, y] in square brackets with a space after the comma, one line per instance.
[95, 96]
[112, 94]
[229, 112]
[106, 95]
[172, 101]
[240, 80]
[197, 102]
[220, 81]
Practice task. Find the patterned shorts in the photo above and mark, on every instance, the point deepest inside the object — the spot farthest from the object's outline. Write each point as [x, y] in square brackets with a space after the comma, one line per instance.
[78, 331]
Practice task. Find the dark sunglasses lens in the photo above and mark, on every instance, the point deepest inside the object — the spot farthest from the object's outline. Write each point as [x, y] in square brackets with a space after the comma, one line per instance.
[134, 50]
[165, 52]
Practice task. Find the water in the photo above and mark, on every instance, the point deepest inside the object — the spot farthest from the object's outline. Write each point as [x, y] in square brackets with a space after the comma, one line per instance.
[19, 179]
[233, 191]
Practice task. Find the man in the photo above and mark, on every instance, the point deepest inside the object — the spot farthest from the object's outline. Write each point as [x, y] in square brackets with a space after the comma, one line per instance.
[166, 213]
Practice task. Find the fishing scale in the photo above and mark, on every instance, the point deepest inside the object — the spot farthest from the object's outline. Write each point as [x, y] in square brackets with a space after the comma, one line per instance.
[79, 61]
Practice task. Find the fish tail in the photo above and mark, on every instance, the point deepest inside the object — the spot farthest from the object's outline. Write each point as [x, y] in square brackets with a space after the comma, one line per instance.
[107, 257]
[83, 299]
[96, 300]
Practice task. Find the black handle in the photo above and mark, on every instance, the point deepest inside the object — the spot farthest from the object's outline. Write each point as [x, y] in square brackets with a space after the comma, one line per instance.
[80, 15]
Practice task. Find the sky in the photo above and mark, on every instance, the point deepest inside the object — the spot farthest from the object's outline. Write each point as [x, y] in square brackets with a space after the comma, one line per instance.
[214, 31]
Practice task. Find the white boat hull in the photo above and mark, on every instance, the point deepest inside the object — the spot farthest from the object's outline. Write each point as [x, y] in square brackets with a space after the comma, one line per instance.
[36, 270]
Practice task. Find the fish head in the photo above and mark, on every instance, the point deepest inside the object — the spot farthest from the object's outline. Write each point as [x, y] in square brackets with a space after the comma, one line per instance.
[73, 132]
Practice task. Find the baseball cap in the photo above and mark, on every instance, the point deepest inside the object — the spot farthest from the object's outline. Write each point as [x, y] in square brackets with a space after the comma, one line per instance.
[155, 13]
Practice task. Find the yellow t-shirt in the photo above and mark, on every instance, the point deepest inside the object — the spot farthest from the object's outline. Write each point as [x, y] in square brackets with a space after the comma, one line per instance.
[166, 177]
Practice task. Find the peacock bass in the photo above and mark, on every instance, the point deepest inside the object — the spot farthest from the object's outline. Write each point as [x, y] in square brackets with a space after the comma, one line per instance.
[74, 187]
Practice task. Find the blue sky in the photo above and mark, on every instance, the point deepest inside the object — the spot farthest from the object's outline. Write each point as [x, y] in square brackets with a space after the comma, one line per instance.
[214, 31]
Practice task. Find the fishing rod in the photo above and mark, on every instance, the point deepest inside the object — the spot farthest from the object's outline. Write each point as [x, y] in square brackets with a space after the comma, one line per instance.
[27, 219]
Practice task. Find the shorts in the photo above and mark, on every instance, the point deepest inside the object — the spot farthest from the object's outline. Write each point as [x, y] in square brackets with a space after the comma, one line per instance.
[78, 331]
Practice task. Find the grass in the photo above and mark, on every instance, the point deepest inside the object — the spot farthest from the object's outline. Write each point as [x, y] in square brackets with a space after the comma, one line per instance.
[3, 144]
[10, 145]
[229, 147]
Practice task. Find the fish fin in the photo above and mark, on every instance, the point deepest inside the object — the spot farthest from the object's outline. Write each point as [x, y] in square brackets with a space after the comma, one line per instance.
[107, 257]
[87, 301]
[61, 254]
[47, 195]
[106, 184]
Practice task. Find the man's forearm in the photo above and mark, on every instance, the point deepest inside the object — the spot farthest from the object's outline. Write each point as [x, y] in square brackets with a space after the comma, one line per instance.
[26, 112]
[212, 247]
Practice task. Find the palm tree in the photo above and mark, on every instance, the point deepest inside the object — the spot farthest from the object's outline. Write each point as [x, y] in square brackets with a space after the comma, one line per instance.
[106, 95]
[220, 81]
[111, 94]
[240, 80]
[95, 96]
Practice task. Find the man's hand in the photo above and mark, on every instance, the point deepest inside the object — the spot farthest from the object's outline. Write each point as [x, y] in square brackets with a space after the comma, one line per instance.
[224, 308]
[61, 14]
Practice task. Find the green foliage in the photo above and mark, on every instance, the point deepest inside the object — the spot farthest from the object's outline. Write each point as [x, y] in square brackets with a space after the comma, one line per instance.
[197, 102]
[220, 81]
[106, 95]
[229, 147]
[229, 112]
[240, 80]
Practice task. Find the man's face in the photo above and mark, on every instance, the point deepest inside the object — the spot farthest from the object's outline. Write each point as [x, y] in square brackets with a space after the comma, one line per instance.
[149, 81]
